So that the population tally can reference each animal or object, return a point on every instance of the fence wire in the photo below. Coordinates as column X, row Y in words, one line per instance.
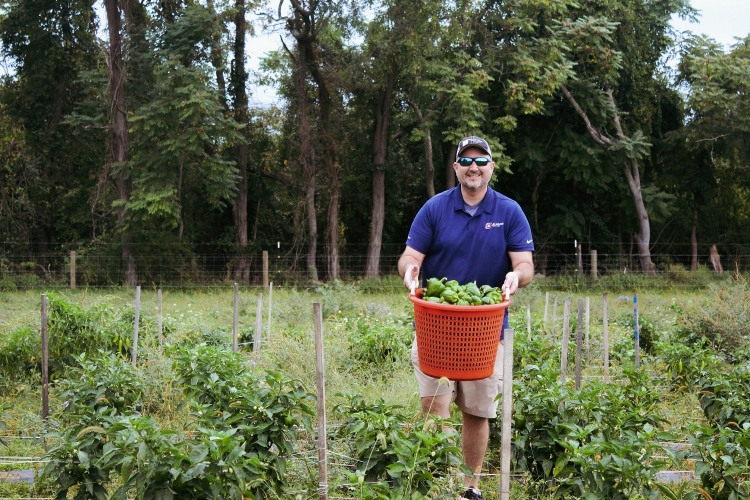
column 53, row 270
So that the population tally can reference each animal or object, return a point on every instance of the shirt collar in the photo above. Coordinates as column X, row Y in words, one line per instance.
column 486, row 205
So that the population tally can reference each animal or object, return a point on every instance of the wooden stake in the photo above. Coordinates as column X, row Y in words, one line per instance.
column 507, row 415
column 320, row 379
column 588, row 343
column 158, row 317
column 72, row 269
column 270, row 309
column 594, row 265
column 236, row 319
column 136, row 324
column 528, row 319
column 546, row 309
column 566, row 338
column 636, row 336
column 265, row 269
column 554, row 316
column 258, row 324
column 605, row 337
column 579, row 342
column 45, row 361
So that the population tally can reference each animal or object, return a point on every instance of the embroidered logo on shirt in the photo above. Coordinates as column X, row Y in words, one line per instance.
column 528, row 241
column 490, row 225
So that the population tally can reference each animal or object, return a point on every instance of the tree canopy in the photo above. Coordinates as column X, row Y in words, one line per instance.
column 143, row 142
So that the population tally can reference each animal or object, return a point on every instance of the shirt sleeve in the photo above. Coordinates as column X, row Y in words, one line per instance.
column 421, row 233
column 519, row 232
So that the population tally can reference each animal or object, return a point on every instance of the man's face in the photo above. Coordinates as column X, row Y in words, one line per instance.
column 473, row 177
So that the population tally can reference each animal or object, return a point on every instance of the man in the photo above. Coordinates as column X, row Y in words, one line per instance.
column 469, row 233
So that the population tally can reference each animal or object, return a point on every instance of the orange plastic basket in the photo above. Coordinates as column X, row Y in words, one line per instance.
column 457, row 342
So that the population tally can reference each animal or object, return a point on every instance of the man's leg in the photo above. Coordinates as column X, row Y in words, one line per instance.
column 474, row 438
column 437, row 405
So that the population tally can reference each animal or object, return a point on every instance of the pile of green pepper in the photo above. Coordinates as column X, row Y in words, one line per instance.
column 441, row 291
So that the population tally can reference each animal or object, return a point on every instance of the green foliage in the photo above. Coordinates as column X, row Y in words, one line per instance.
column 20, row 353
column 722, row 317
column 72, row 331
column 245, row 431
column 724, row 397
column 337, row 297
column 263, row 410
column 598, row 441
column 380, row 284
column 381, row 340
column 105, row 386
column 396, row 458
column 687, row 363
column 722, row 456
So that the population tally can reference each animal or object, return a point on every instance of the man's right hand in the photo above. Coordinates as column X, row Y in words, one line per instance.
column 408, row 267
column 411, row 274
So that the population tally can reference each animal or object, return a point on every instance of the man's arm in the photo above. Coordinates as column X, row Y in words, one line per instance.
column 409, row 265
column 522, row 273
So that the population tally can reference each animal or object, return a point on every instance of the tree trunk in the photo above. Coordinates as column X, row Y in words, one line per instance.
column 450, row 174
column 694, row 243
column 307, row 160
column 119, row 130
column 643, row 237
column 334, row 267
column 382, row 116
column 330, row 155
column 429, row 176
column 239, row 80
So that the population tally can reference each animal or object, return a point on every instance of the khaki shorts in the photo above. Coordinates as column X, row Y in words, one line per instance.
column 476, row 397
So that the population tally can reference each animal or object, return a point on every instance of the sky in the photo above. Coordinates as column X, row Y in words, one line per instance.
column 722, row 20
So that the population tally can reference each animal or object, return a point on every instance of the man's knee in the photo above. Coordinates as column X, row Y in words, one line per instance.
column 437, row 405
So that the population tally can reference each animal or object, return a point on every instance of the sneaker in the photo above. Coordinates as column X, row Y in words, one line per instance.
column 471, row 494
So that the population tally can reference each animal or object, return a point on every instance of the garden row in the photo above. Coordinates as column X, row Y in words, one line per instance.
column 221, row 430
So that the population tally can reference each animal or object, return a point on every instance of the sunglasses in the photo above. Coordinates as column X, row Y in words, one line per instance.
column 465, row 161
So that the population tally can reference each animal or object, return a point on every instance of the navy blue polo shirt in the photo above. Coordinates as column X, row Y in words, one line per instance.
column 468, row 248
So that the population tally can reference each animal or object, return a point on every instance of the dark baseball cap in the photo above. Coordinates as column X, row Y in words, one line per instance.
column 475, row 141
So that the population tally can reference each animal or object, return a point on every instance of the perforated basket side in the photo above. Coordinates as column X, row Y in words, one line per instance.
column 456, row 342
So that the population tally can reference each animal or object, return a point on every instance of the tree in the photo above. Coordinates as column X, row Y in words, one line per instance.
column 238, row 84
column 715, row 139
column 604, row 67
column 50, row 47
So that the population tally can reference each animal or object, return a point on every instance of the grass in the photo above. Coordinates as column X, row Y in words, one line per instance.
column 290, row 348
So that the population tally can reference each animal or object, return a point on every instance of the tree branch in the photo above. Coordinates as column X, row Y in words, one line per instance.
column 598, row 137
column 616, row 117
column 291, row 55
column 714, row 138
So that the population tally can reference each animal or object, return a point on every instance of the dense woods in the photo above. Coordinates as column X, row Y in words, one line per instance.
column 126, row 128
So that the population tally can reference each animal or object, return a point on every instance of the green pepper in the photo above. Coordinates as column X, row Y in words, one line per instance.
column 436, row 300
column 485, row 289
column 434, row 287
column 450, row 296
column 453, row 285
column 473, row 290
column 487, row 300
column 462, row 302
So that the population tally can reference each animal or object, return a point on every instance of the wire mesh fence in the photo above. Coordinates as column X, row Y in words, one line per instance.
column 186, row 270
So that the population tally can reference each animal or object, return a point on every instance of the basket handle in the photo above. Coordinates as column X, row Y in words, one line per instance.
column 413, row 288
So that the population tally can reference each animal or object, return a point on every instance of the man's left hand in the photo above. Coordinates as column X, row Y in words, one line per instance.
column 510, row 286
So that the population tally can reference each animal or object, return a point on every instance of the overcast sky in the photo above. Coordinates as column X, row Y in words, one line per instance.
column 722, row 20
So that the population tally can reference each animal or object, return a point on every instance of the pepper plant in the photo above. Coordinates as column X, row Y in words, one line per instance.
column 397, row 457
